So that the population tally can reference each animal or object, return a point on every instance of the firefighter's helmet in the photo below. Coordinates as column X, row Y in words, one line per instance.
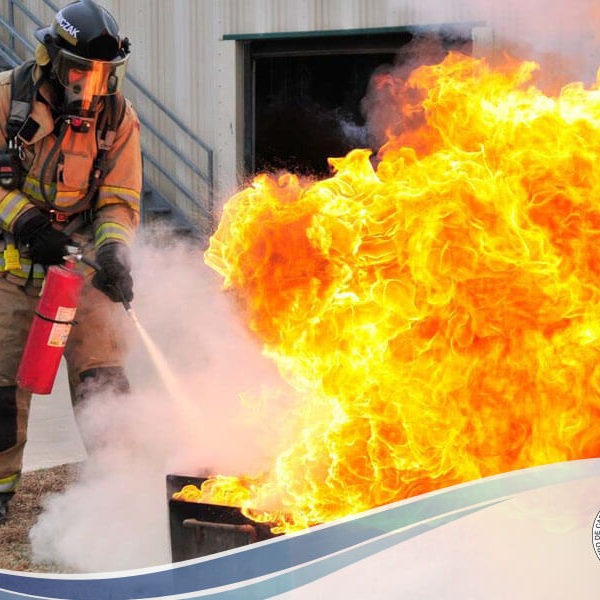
column 87, row 30
column 88, row 57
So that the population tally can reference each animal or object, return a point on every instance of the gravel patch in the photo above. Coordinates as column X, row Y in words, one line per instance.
column 25, row 507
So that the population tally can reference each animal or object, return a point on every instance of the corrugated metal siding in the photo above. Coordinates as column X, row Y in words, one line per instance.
column 269, row 16
column 173, row 43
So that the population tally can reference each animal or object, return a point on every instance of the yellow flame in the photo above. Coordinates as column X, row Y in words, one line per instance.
column 440, row 310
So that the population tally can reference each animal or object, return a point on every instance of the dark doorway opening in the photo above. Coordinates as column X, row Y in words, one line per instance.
column 303, row 95
column 308, row 108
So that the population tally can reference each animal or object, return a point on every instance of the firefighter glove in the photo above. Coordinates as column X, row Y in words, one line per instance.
column 46, row 244
column 113, row 278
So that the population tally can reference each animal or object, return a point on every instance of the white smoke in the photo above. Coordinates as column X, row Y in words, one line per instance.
column 562, row 36
column 563, row 33
column 115, row 516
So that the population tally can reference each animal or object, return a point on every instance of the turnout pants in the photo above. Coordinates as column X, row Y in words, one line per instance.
column 97, row 343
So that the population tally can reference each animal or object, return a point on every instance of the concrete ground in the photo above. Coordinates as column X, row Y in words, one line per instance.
column 53, row 435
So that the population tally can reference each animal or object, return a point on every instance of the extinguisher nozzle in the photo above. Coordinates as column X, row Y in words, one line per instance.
column 90, row 263
column 131, row 313
column 75, row 253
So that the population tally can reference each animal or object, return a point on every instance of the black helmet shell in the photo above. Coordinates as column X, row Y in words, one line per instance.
column 86, row 29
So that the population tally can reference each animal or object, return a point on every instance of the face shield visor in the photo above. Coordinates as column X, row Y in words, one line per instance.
column 85, row 80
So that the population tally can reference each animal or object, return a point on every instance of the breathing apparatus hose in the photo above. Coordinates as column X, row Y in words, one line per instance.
column 49, row 159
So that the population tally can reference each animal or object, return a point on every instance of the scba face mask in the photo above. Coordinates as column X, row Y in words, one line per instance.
column 85, row 82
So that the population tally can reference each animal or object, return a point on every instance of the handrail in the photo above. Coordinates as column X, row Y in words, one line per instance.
column 162, row 107
column 171, row 147
column 205, row 175
column 9, row 57
column 178, row 185
column 16, row 34
column 32, row 16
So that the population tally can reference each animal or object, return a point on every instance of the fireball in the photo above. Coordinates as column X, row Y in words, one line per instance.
column 436, row 304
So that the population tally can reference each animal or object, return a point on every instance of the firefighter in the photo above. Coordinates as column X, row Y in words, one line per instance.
column 70, row 174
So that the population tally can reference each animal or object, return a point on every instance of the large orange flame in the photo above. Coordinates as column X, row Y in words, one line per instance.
column 440, row 311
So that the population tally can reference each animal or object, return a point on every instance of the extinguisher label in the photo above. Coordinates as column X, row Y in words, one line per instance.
column 60, row 331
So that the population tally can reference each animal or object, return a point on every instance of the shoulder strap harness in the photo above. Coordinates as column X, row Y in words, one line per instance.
column 20, row 126
column 21, row 98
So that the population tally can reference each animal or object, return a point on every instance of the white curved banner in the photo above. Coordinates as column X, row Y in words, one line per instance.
column 525, row 535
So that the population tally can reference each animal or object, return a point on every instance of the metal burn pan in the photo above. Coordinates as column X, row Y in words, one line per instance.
column 199, row 529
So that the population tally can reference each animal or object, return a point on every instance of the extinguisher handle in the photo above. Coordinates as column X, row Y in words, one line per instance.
column 76, row 253
column 96, row 267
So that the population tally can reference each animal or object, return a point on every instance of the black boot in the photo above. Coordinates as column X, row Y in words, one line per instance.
column 99, row 380
column 4, row 498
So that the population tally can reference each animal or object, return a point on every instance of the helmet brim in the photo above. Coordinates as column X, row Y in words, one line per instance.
column 41, row 33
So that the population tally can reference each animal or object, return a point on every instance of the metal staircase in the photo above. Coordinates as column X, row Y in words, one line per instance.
column 175, row 200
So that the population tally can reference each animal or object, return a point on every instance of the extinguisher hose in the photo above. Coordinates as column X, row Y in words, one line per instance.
column 90, row 263
column 44, row 318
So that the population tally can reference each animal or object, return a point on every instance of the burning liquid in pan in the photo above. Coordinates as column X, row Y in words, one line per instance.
column 440, row 312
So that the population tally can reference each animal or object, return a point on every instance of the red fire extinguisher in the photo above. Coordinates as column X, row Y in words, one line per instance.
column 50, row 328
